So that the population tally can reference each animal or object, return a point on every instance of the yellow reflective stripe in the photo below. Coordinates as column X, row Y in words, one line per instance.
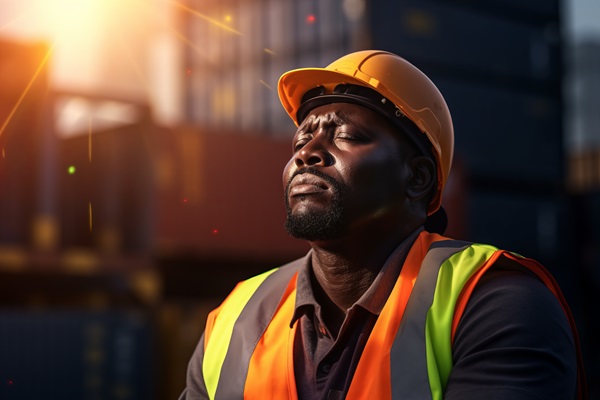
column 453, row 275
column 216, row 348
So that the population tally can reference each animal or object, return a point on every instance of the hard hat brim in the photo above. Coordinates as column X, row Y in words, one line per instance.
column 295, row 83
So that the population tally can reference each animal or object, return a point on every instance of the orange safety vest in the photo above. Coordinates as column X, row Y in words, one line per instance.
column 248, row 344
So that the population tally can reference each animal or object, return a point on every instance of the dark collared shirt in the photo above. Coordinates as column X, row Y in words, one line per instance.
column 329, row 358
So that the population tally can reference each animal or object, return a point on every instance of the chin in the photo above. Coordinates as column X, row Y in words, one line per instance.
column 315, row 226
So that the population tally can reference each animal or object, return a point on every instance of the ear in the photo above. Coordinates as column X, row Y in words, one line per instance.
column 423, row 178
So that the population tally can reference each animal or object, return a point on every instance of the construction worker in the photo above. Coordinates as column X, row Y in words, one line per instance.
column 383, row 306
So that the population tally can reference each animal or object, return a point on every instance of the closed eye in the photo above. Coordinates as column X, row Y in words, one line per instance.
column 350, row 136
column 301, row 142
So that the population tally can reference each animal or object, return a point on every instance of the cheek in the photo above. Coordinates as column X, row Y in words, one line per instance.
column 379, row 178
column 288, row 170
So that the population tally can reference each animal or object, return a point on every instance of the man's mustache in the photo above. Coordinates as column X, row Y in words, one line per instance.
column 314, row 171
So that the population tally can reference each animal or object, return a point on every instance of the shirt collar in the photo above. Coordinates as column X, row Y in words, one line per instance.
column 372, row 300
column 305, row 298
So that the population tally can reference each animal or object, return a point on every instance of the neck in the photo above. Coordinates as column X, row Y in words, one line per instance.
column 345, row 268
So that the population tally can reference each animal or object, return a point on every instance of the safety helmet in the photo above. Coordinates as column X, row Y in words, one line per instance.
column 412, row 93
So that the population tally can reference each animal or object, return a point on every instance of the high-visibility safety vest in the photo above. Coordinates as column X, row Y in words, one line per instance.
column 248, row 343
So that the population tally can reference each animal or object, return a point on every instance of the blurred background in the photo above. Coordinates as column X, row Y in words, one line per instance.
column 142, row 144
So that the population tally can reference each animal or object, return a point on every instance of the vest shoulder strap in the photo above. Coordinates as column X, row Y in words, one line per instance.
column 419, row 353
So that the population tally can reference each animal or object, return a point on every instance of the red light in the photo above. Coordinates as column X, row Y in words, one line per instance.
column 215, row 231
column 310, row 19
column 185, row 200
column 10, row 381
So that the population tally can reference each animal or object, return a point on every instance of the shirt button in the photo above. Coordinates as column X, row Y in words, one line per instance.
column 325, row 368
column 322, row 330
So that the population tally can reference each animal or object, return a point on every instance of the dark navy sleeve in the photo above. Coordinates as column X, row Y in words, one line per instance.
column 513, row 342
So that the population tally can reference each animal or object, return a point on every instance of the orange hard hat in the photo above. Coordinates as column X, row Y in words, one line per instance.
column 412, row 93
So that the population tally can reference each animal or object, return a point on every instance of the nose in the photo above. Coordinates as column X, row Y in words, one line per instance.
column 313, row 154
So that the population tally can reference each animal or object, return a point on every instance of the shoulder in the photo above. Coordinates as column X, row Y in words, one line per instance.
column 513, row 338
column 516, row 300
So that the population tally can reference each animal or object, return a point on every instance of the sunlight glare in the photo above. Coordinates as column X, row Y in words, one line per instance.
column 68, row 18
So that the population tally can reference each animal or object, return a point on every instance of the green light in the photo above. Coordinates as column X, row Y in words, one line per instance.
column 71, row 170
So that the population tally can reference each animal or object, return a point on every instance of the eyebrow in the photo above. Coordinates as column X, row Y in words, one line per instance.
column 341, row 117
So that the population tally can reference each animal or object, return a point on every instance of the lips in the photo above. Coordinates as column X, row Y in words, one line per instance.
column 307, row 184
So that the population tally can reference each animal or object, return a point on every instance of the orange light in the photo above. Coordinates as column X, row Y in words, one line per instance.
column 37, row 72
column 205, row 17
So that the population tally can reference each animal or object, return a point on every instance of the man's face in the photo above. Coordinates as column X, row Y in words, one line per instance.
column 348, row 171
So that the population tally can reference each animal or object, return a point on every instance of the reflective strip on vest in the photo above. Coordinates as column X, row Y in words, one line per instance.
column 409, row 372
column 259, row 297
column 422, row 350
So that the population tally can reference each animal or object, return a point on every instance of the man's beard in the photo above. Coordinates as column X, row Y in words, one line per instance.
column 323, row 224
